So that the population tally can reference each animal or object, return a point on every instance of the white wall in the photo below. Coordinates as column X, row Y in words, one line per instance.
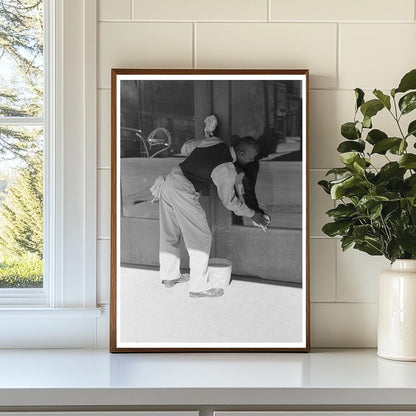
column 345, row 44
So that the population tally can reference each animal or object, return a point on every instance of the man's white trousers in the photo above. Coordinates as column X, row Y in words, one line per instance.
column 181, row 213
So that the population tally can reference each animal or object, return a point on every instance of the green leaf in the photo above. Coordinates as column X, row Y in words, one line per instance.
column 349, row 146
column 393, row 250
column 325, row 186
column 359, row 94
column 361, row 231
column 349, row 131
column 371, row 108
column 403, row 205
column 411, row 184
column 391, row 170
column 408, row 102
column 411, row 180
column 383, row 145
column 375, row 211
column 408, row 82
column 413, row 213
column 391, row 212
column 398, row 149
column 368, row 201
column 367, row 122
column 392, row 196
column 338, row 171
column 338, row 189
column 336, row 228
column 407, row 239
column 412, row 200
column 411, row 130
column 342, row 211
column 402, row 147
column 342, row 179
column 385, row 99
column 368, row 248
column 393, row 92
column 359, row 165
column 375, row 136
column 346, row 242
column 408, row 161
column 374, row 242
column 348, row 158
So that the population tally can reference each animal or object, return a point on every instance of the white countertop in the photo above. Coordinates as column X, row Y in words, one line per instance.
column 96, row 377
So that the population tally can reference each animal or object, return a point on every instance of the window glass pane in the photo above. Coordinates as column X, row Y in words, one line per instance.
column 157, row 118
column 21, row 58
column 21, row 212
column 271, row 112
column 21, row 146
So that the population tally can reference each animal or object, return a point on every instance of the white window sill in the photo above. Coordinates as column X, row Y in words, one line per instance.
column 40, row 327
column 36, row 312
column 330, row 379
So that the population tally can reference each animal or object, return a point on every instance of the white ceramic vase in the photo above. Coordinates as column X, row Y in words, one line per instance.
column 397, row 312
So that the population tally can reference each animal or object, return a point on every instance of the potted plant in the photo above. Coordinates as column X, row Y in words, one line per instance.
column 376, row 207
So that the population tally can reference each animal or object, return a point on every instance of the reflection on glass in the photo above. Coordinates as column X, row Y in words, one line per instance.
column 157, row 117
column 271, row 112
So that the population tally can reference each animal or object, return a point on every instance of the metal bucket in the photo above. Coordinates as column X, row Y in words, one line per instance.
column 219, row 272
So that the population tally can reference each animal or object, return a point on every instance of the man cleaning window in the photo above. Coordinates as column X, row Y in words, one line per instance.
column 209, row 160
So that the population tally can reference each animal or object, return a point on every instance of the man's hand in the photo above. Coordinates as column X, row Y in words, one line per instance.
column 259, row 218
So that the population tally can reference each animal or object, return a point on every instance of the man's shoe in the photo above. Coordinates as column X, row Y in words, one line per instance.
column 170, row 283
column 210, row 293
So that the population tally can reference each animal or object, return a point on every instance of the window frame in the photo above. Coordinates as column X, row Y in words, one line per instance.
column 37, row 296
column 71, row 181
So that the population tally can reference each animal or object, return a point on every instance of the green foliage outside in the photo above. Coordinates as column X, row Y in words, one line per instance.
column 21, row 148
column 21, row 214
column 21, row 271
column 376, row 210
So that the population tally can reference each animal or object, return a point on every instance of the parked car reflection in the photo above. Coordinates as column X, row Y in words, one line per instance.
column 133, row 143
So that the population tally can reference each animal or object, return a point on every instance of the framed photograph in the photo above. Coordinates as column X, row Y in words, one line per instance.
column 209, row 211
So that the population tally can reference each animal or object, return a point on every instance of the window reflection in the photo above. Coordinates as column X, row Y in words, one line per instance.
column 271, row 112
column 157, row 117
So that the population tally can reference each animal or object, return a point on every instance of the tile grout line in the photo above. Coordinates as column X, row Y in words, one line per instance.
column 338, row 66
column 269, row 10
column 194, row 63
column 308, row 22
column 322, row 237
column 336, row 271
column 131, row 9
column 310, row 89
column 355, row 302
column 310, row 169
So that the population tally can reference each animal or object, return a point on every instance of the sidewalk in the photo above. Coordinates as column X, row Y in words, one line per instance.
column 247, row 312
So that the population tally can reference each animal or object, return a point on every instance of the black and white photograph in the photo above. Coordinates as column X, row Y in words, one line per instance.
column 209, row 243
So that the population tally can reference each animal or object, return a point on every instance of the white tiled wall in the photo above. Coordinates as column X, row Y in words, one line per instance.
column 345, row 44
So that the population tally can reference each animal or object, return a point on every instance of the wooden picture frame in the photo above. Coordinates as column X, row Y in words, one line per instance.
column 266, row 305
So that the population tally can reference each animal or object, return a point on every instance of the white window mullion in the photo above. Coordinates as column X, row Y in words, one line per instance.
column 22, row 121
column 49, row 179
